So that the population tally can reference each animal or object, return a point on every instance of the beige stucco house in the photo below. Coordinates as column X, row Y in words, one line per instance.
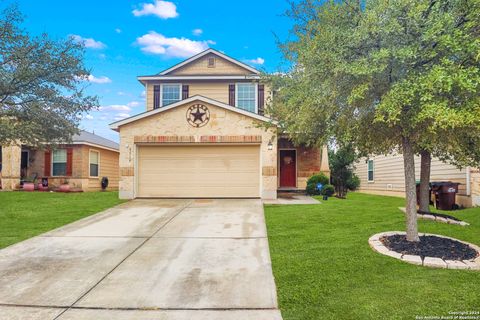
column 384, row 175
column 203, row 134
column 81, row 164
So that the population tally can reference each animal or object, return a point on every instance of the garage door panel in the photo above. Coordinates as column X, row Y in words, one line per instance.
column 198, row 171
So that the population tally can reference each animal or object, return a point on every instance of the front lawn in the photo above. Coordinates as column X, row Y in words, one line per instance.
column 27, row 214
column 325, row 269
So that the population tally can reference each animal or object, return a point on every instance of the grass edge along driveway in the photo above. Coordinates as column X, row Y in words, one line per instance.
column 26, row 214
column 325, row 269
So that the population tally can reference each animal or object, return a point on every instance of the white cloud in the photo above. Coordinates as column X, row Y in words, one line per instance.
column 161, row 9
column 197, row 32
column 99, row 80
column 121, row 93
column 115, row 107
column 103, row 118
column 256, row 61
column 89, row 42
column 157, row 43
column 118, row 30
column 102, row 56
column 133, row 104
column 88, row 117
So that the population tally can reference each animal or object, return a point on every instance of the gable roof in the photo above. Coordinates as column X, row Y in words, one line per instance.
column 85, row 137
column 117, row 124
column 203, row 53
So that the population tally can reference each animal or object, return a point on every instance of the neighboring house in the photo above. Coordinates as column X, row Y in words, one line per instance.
column 384, row 175
column 202, row 136
column 81, row 164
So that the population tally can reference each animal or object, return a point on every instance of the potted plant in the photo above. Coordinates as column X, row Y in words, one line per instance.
column 64, row 187
column 29, row 185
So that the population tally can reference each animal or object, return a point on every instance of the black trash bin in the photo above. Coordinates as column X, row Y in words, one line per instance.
column 445, row 192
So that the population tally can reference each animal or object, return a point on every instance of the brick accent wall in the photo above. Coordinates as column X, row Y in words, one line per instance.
column 201, row 139
column 308, row 160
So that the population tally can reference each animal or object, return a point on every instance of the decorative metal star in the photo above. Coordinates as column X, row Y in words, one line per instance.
column 197, row 115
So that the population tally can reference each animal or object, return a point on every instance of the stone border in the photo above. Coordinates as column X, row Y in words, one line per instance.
column 377, row 245
column 438, row 219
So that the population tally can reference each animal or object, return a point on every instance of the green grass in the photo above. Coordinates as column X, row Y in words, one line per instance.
column 24, row 214
column 325, row 269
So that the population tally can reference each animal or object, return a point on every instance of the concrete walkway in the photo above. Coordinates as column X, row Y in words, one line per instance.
column 146, row 259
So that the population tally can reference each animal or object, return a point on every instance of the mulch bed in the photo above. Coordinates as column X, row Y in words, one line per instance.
column 430, row 246
column 446, row 216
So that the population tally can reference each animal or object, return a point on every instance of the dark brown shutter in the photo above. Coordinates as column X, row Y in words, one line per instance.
column 156, row 96
column 48, row 163
column 184, row 91
column 69, row 161
column 231, row 94
column 261, row 99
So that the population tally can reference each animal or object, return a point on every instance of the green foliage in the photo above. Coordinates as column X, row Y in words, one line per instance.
column 328, row 190
column 313, row 181
column 353, row 183
column 318, row 178
column 41, row 85
column 384, row 76
column 341, row 168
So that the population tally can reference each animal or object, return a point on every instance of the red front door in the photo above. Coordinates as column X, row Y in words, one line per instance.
column 288, row 168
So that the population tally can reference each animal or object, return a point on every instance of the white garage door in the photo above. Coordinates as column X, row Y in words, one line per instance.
column 199, row 171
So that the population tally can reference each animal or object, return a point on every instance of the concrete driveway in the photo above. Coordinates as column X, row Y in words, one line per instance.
column 146, row 259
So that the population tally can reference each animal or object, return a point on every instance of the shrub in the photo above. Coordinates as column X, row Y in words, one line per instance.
column 328, row 190
column 313, row 181
column 353, row 183
column 318, row 178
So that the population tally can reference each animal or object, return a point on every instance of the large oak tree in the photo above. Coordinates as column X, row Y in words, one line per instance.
column 42, row 94
column 386, row 76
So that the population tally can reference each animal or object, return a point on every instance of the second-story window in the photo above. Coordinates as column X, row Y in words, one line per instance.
column 246, row 96
column 171, row 93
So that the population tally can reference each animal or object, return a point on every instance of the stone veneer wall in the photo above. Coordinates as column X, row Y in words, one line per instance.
column 10, row 176
column 173, row 124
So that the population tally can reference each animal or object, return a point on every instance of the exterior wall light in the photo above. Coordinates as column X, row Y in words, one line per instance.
column 270, row 145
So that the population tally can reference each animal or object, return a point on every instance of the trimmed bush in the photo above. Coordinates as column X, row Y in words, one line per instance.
column 353, row 183
column 328, row 190
column 313, row 181
column 318, row 178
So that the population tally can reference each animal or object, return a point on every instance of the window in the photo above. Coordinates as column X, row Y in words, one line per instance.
column 370, row 170
column 246, row 96
column 59, row 162
column 94, row 162
column 170, row 93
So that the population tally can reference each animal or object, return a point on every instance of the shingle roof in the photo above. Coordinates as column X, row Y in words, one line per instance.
column 88, row 137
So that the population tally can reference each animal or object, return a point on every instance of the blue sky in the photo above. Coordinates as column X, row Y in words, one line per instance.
column 125, row 39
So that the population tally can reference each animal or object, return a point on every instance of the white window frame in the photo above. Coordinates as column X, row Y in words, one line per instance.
column 66, row 162
column 373, row 170
column 256, row 95
column 90, row 162
column 170, row 84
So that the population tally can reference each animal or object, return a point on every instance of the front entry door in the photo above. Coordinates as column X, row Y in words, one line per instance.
column 288, row 168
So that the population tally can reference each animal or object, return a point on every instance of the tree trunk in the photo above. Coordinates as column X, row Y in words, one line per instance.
column 426, row 161
column 410, row 190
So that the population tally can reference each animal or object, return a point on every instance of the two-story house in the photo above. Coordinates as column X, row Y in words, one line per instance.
column 202, row 136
